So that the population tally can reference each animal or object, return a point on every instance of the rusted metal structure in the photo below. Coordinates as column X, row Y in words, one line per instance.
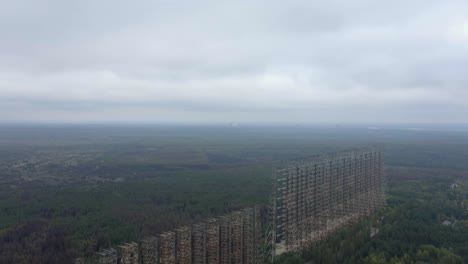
column 212, row 241
column 237, row 237
column 258, row 239
column 168, row 250
column 312, row 198
column 248, row 235
column 198, row 244
column 184, row 245
column 129, row 253
column 225, row 239
column 149, row 250
column 315, row 197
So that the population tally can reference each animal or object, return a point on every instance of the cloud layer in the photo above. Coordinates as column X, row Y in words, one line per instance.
column 237, row 61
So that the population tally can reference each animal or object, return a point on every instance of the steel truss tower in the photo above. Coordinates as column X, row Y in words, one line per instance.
column 311, row 199
column 149, row 250
column 315, row 197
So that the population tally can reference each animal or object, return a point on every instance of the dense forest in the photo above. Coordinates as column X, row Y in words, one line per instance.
column 67, row 192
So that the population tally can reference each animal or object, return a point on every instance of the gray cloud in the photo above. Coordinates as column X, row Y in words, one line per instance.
column 295, row 61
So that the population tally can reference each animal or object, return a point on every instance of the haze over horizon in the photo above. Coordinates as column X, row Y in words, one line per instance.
column 243, row 61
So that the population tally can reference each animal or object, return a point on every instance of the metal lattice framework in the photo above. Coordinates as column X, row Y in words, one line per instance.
column 312, row 198
column 225, row 239
column 315, row 197
column 149, row 250
column 199, row 246
column 129, row 253
column 237, row 237
column 168, row 251
column 212, row 241
column 184, row 245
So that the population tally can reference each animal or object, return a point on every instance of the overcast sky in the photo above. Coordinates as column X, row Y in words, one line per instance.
column 237, row 61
